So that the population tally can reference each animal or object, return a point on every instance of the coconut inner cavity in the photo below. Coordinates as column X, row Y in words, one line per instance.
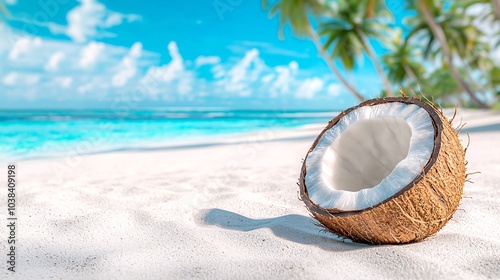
column 368, row 151
column 369, row 155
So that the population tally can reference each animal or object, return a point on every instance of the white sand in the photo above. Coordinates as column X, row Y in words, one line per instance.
column 230, row 211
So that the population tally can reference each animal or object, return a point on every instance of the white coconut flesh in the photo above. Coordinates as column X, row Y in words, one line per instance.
column 371, row 154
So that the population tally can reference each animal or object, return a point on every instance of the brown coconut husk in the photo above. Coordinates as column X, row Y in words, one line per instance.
column 421, row 208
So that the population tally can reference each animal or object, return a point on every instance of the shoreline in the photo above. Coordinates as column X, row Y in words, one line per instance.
column 260, row 135
column 474, row 120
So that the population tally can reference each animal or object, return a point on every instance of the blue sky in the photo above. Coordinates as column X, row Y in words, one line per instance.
column 97, row 54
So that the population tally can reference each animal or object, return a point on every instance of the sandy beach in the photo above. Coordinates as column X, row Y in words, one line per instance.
column 231, row 211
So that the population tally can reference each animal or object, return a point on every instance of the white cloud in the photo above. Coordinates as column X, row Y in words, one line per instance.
column 171, row 71
column 90, row 54
column 85, row 88
column 54, row 60
column 75, row 67
column 245, row 72
column 23, row 45
column 334, row 89
column 84, row 20
column 239, row 71
column 115, row 19
column 100, row 70
column 64, row 82
column 267, row 78
column 10, row 79
column 16, row 78
column 11, row 2
column 206, row 60
column 171, row 78
column 309, row 87
column 89, row 19
column 185, row 84
column 128, row 66
column 136, row 50
column 248, row 76
column 218, row 71
column 285, row 77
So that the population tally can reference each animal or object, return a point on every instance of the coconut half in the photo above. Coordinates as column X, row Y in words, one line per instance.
column 389, row 170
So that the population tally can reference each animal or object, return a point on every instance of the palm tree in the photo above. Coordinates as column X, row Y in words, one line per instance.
column 350, row 25
column 494, row 6
column 477, row 60
column 494, row 79
column 428, row 10
column 444, row 87
column 477, row 56
column 296, row 12
column 399, row 62
column 465, row 42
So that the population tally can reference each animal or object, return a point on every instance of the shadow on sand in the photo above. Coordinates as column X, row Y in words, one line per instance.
column 483, row 128
column 295, row 228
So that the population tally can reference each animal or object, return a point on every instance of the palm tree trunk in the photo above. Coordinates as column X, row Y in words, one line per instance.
column 332, row 65
column 439, row 34
column 496, row 7
column 373, row 58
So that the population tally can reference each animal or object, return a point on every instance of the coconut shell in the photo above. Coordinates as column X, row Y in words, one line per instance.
column 420, row 209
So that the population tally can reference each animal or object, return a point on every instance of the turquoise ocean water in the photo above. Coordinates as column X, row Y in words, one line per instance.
column 40, row 133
